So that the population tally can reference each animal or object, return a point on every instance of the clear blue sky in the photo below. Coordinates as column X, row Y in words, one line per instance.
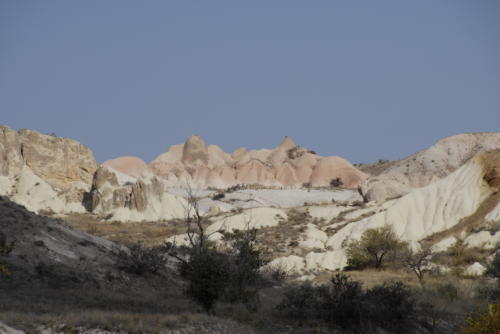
column 360, row 79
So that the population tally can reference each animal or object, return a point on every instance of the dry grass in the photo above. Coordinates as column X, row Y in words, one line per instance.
column 147, row 233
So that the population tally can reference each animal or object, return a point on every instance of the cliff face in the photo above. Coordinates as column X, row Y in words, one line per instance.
column 429, row 165
column 58, row 161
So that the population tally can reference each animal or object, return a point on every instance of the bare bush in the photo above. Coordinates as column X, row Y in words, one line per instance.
column 141, row 260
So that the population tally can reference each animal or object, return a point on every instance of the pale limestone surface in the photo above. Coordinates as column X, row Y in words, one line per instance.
column 444, row 244
column 428, row 166
column 475, row 269
column 427, row 210
column 483, row 239
column 250, row 218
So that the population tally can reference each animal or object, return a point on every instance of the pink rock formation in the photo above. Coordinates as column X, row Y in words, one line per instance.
column 132, row 166
column 288, row 165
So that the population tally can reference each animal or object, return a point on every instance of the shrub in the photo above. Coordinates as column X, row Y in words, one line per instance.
column 341, row 303
column 493, row 268
column 275, row 274
column 141, row 260
column 373, row 248
column 460, row 255
column 344, row 304
column 390, row 306
column 485, row 322
column 336, row 182
column 244, row 263
column 5, row 250
column 207, row 275
column 300, row 302
column 218, row 196
column 447, row 291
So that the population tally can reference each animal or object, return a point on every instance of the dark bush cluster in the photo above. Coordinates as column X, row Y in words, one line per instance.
column 207, row 275
column 344, row 304
column 141, row 260
column 218, row 196
column 336, row 182
column 232, row 274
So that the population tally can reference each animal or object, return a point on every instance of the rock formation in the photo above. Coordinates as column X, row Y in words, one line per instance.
column 427, row 166
column 142, row 199
column 132, row 166
column 58, row 161
column 288, row 165
column 44, row 172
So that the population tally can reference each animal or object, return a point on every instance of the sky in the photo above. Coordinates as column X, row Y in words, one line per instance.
column 365, row 80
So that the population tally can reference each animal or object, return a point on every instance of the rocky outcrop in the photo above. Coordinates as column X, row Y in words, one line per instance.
column 428, row 166
column 132, row 166
column 44, row 173
column 288, row 165
column 58, row 161
column 142, row 199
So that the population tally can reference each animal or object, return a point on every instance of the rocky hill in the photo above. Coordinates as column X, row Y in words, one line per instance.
column 427, row 166
column 204, row 166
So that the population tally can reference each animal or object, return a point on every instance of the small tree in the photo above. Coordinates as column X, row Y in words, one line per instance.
column 418, row 261
column 373, row 247
column 213, row 273
column 245, row 261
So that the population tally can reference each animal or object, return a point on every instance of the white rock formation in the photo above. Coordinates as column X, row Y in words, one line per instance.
column 330, row 260
column 145, row 199
column 483, row 239
column 430, row 165
column 250, row 218
column 444, row 244
column 292, row 264
column 493, row 216
column 427, row 210
column 475, row 269
column 313, row 238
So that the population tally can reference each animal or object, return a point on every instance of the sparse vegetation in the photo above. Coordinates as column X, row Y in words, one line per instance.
column 5, row 249
column 485, row 322
column 231, row 273
column 141, row 260
column 336, row 182
column 218, row 196
column 493, row 268
column 344, row 304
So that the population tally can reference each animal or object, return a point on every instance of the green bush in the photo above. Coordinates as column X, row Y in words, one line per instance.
column 375, row 246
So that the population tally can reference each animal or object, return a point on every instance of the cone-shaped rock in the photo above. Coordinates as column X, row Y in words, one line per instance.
column 195, row 151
